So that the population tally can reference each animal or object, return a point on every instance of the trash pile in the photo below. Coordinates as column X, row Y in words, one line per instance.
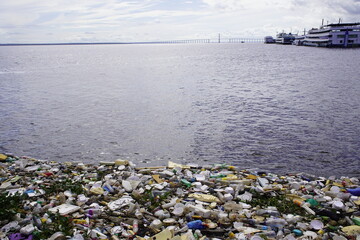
column 116, row 200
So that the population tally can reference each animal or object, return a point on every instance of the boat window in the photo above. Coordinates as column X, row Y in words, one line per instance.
column 340, row 36
column 353, row 36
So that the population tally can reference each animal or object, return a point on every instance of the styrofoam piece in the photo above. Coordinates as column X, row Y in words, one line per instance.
column 64, row 209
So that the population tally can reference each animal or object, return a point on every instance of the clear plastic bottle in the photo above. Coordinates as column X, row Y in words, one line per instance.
column 304, row 205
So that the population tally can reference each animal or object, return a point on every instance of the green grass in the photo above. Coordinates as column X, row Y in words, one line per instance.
column 150, row 200
column 62, row 186
column 283, row 204
column 12, row 204
column 59, row 224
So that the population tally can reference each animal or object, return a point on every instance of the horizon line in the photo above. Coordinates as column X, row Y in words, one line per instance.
column 229, row 40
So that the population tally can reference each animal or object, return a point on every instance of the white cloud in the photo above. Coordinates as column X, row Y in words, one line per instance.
column 224, row 4
column 112, row 20
column 244, row 5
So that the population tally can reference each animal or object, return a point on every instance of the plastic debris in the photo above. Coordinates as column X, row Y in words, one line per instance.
column 355, row 191
column 351, row 230
column 304, row 205
column 116, row 200
column 3, row 157
column 117, row 204
column 316, row 224
column 204, row 197
column 176, row 165
column 64, row 209
column 163, row 235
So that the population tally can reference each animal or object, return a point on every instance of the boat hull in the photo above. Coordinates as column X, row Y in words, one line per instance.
column 341, row 35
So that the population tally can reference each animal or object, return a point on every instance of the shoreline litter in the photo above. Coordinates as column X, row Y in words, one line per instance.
column 116, row 200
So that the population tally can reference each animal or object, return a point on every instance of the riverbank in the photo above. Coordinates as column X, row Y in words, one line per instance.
column 117, row 200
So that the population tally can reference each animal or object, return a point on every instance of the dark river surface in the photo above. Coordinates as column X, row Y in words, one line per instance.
column 277, row 108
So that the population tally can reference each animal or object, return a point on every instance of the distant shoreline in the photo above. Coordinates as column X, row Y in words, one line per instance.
column 42, row 44
column 186, row 41
column 106, row 43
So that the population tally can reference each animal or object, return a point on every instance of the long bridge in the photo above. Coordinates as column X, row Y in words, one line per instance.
column 223, row 40
column 186, row 41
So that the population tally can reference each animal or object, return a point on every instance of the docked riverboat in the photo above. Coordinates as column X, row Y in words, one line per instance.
column 334, row 35
column 299, row 40
column 269, row 39
column 285, row 38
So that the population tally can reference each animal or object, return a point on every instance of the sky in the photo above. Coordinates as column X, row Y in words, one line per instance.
column 55, row 21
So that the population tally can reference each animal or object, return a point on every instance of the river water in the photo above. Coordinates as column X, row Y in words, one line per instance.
column 277, row 108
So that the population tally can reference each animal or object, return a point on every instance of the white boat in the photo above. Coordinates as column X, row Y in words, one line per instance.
column 269, row 39
column 299, row 40
column 285, row 38
column 334, row 35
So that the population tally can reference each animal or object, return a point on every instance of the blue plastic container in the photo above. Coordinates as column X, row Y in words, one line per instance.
column 197, row 224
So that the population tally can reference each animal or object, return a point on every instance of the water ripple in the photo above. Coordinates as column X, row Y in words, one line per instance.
column 277, row 108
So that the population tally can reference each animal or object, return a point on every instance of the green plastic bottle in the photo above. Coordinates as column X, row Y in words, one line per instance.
column 312, row 202
column 218, row 176
column 356, row 220
column 186, row 182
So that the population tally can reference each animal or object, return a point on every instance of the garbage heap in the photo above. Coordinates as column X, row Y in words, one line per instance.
column 115, row 200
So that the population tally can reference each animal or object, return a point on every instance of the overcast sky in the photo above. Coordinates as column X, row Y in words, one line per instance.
column 49, row 21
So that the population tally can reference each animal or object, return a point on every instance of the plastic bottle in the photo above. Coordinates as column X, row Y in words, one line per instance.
column 304, row 205
column 251, row 222
column 199, row 210
column 108, row 187
column 185, row 182
column 138, row 214
column 297, row 232
column 218, row 176
column 276, row 222
column 156, row 224
column 220, row 196
column 161, row 214
column 312, row 202
column 262, row 227
column 327, row 213
column 354, row 191
column 269, row 212
column 197, row 224
column 170, row 204
column 93, row 213
column 135, row 226
column 356, row 220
